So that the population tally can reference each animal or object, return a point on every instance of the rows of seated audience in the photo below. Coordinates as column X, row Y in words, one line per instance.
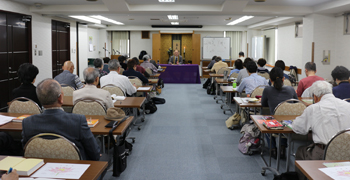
column 325, row 118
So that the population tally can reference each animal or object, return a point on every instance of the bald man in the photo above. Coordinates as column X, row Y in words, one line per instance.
column 68, row 78
column 54, row 120
column 90, row 91
column 176, row 58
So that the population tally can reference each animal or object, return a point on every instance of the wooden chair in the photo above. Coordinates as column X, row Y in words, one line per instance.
column 290, row 107
column 112, row 89
column 89, row 107
column 149, row 71
column 257, row 91
column 136, row 80
column 24, row 105
column 287, row 82
column 338, row 147
column 58, row 148
column 265, row 75
column 222, row 70
column 234, row 75
column 67, row 90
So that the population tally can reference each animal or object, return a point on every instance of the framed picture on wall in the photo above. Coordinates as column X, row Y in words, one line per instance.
column 177, row 45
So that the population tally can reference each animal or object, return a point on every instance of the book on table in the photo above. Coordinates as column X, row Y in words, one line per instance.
column 20, row 118
column 24, row 166
column 288, row 123
column 273, row 125
column 92, row 122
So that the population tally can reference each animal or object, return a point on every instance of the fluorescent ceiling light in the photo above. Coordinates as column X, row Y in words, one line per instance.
column 173, row 17
column 244, row 18
column 106, row 19
column 85, row 18
column 166, row 0
column 174, row 23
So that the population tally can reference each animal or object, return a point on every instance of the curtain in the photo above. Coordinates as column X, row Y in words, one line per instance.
column 120, row 41
column 236, row 42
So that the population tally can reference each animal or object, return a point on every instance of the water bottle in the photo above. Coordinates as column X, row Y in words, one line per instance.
column 234, row 84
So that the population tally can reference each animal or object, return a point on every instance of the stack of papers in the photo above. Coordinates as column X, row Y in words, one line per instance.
column 61, row 171
column 339, row 172
column 144, row 88
column 5, row 119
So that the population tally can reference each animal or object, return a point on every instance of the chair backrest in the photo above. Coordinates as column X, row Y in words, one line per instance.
column 135, row 80
column 223, row 69
column 265, row 75
column 149, row 71
column 306, row 93
column 257, row 91
column 58, row 148
column 290, row 107
column 67, row 90
column 234, row 75
column 121, row 71
column 338, row 147
column 24, row 105
column 113, row 90
column 286, row 82
column 89, row 107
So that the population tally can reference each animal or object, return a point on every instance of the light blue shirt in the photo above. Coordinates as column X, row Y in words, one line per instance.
column 251, row 82
column 234, row 71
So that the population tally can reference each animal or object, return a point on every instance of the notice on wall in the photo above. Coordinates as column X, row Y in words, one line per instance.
column 326, row 57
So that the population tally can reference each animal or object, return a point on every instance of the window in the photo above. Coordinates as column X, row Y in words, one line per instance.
column 298, row 30
column 120, row 41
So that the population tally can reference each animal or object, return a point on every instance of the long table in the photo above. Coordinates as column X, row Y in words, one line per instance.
column 184, row 73
column 311, row 168
column 93, row 172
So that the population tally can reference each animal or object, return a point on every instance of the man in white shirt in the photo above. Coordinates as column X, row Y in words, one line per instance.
column 114, row 78
column 90, row 91
column 325, row 118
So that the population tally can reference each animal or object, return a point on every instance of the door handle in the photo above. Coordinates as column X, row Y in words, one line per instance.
column 12, row 72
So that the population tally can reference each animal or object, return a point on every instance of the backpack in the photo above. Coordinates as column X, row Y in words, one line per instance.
column 160, row 83
column 150, row 107
column 293, row 76
column 211, row 88
column 233, row 121
column 157, row 100
column 250, row 140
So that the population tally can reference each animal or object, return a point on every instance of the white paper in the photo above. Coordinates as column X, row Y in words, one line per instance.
column 337, row 173
column 144, row 88
column 119, row 98
column 61, row 171
column 5, row 119
column 25, row 178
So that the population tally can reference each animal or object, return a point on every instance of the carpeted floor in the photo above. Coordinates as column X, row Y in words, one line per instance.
column 187, row 139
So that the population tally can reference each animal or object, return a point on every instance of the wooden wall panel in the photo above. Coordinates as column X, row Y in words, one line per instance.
column 187, row 42
column 166, row 42
column 196, row 48
column 156, row 47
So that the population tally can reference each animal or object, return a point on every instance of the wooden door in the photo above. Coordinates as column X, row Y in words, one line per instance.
column 156, row 47
column 196, row 48
column 60, row 45
column 15, row 49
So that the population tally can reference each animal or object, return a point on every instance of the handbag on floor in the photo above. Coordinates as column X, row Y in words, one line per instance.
column 233, row 121
column 250, row 140
column 150, row 107
column 157, row 100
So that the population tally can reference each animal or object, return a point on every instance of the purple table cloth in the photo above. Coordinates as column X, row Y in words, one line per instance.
column 186, row 73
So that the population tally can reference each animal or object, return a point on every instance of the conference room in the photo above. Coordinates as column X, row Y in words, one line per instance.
column 186, row 138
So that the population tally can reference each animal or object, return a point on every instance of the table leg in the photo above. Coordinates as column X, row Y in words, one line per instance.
column 216, row 91
column 288, row 150
column 278, row 152
column 135, row 119
column 103, row 145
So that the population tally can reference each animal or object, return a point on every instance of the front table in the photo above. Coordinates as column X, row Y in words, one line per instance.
column 184, row 73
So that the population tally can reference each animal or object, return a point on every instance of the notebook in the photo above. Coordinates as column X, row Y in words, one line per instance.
column 273, row 124
column 5, row 119
column 20, row 118
column 24, row 167
column 288, row 123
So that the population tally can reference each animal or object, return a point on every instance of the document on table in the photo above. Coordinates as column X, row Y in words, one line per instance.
column 5, row 119
column 144, row 88
column 61, row 171
column 338, row 173
column 336, row 164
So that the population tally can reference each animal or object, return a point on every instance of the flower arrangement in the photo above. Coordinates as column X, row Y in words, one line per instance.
column 170, row 51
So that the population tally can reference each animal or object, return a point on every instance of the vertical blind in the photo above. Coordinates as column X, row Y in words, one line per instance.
column 120, row 41
column 236, row 42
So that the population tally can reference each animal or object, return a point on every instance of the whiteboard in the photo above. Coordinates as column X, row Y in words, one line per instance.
column 216, row 46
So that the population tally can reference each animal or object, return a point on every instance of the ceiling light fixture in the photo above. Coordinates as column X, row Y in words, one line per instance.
column 173, row 17
column 175, row 23
column 107, row 19
column 244, row 18
column 166, row 1
column 88, row 19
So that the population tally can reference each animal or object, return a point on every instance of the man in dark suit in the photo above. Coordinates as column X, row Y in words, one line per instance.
column 54, row 120
column 132, row 71
column 176, row 58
